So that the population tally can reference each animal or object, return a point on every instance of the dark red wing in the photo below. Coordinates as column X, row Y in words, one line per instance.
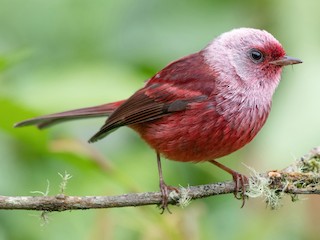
column 143, row 108
column 138, row 108
column 169, row 91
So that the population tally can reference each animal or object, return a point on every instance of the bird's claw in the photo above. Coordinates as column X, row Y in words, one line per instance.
column 240, row 181
column 165, row 191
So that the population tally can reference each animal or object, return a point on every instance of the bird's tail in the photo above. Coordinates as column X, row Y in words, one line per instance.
column 89, row 112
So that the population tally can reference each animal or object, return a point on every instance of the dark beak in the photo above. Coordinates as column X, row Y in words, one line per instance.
column 286, row 60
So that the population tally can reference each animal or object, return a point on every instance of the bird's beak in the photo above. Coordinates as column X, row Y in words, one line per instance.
column 286, row 60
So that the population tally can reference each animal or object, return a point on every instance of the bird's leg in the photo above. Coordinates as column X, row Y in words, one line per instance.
column 239, row 180
column 164, row 188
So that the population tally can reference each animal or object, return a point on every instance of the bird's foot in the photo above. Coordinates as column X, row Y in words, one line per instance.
column 165, row 191
column 240, row 181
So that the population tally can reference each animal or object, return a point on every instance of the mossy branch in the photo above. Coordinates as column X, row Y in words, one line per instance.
column 302, row 177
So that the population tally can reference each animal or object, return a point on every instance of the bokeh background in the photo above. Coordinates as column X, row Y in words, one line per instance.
column 61, row 54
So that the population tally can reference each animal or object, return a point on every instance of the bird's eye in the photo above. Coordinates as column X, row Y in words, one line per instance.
column 256, row 56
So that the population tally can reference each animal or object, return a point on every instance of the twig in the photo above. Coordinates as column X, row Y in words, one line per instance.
column 302, row 177
column 62, row 202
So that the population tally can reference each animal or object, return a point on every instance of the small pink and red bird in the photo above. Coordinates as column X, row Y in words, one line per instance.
column 201, row 107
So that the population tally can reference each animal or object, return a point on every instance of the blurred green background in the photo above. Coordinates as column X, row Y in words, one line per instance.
column 61, row 54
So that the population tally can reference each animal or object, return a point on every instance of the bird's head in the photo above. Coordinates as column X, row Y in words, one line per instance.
column 254, row 58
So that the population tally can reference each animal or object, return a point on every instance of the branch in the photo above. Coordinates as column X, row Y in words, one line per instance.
column 302, row 177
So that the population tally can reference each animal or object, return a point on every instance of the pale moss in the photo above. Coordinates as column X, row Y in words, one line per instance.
column 44, row 217
column 46, row 193
column 259, row 186
column 182, row 197
column 63, row 184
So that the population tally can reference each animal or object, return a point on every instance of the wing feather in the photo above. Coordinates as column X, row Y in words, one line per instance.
column 89, row 112
column 182, row 82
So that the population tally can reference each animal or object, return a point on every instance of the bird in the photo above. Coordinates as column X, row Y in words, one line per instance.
column 200, row 107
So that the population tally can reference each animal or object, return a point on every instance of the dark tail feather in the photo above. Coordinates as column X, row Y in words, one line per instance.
column 89, row 112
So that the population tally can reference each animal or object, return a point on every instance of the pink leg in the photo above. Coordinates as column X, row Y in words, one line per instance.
column 239, row 180
column 164, row 188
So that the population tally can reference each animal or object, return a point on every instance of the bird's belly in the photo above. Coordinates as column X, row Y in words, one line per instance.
column 190, row 136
